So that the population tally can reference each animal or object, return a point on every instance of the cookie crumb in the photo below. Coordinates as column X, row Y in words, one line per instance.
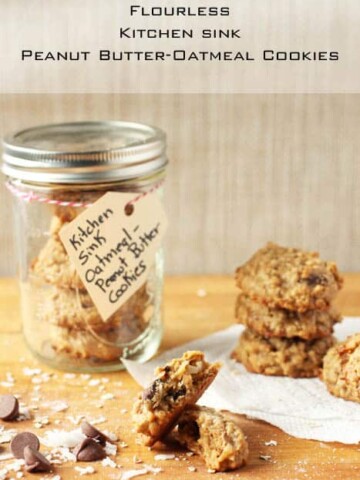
column 192, row 469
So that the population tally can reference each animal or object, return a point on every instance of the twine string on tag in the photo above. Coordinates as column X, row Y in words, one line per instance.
column 34, row 197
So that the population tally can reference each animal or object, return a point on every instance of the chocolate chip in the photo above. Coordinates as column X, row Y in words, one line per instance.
column 175, row 394
column 92, row 432
column 35, row 461
column 313, row 280
column 9, row 407
column 190, row 428
column 22, row 440
column 149, row 392
column 89, row 451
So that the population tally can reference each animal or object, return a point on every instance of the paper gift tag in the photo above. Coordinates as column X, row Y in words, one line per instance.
column 112, row 250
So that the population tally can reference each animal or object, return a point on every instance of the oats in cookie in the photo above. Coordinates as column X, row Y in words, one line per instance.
column 341, row 372
column 179, row 383
column 279, row 322
column 217, row 439
column 291, row 357
column 289, row 278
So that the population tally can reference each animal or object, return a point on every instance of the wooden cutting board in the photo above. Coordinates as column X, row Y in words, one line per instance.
column 188, row 315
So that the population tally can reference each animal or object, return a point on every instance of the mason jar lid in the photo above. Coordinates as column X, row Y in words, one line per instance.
column 84, row 152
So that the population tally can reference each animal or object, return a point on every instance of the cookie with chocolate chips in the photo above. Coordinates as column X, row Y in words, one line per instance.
column 213, row 436
column 289, row 278
column 290, row 357
column 279, row 322
column 178, row 384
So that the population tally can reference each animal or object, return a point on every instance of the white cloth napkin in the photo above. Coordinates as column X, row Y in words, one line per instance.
column 302, row 408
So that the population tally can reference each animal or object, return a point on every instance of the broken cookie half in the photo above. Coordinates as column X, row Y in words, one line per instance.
column 208, row 433
column 177, row 385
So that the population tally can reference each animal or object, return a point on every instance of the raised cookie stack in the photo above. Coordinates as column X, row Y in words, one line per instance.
column 67, row 314
column 285, row 301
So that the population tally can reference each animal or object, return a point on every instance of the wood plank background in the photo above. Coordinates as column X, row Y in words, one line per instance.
column 244, row 169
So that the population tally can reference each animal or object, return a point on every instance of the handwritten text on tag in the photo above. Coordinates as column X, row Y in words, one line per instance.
column 113, row 251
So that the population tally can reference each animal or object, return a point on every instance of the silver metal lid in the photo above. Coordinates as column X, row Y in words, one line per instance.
column 84, row 152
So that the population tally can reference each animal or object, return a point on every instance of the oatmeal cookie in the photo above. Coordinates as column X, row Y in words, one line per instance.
column 341, row 372
column 81, row 344
column 279, row 322
column 74, row 309
column 178, row 384
column 281, row 356
column 289, row 278
column 218, row 440
column 53, row 266
column 68, row 213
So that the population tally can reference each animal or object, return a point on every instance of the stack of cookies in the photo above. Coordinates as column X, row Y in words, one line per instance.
column 285, row 301
column 71, row 319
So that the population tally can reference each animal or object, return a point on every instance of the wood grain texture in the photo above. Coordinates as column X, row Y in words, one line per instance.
column 187, row 316
column 244, row 169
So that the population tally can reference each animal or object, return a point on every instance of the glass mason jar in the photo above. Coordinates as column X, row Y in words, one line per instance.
column 54, row 173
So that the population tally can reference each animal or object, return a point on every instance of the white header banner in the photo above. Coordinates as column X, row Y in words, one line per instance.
column 184, row 46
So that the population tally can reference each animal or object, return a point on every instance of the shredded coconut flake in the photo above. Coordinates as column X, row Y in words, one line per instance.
column 110, row 448
column 85, row 470
column 6, row 456
column 201, row 292
column 266, row 458
column 30, row 372
column 94, row 382
column 107, row 396
column 111, row 435
column 164, row 456
column 6, row 384
column 271, row 443
column 7, row 435
column 140, row 471
column 24, row 414
column 107, row 462
column 58, row 406
column 75, row 419
column 60, row 455
column 96, row 421
column 62, row 438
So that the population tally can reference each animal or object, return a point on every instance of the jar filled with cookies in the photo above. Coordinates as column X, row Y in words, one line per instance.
column 56, row 173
